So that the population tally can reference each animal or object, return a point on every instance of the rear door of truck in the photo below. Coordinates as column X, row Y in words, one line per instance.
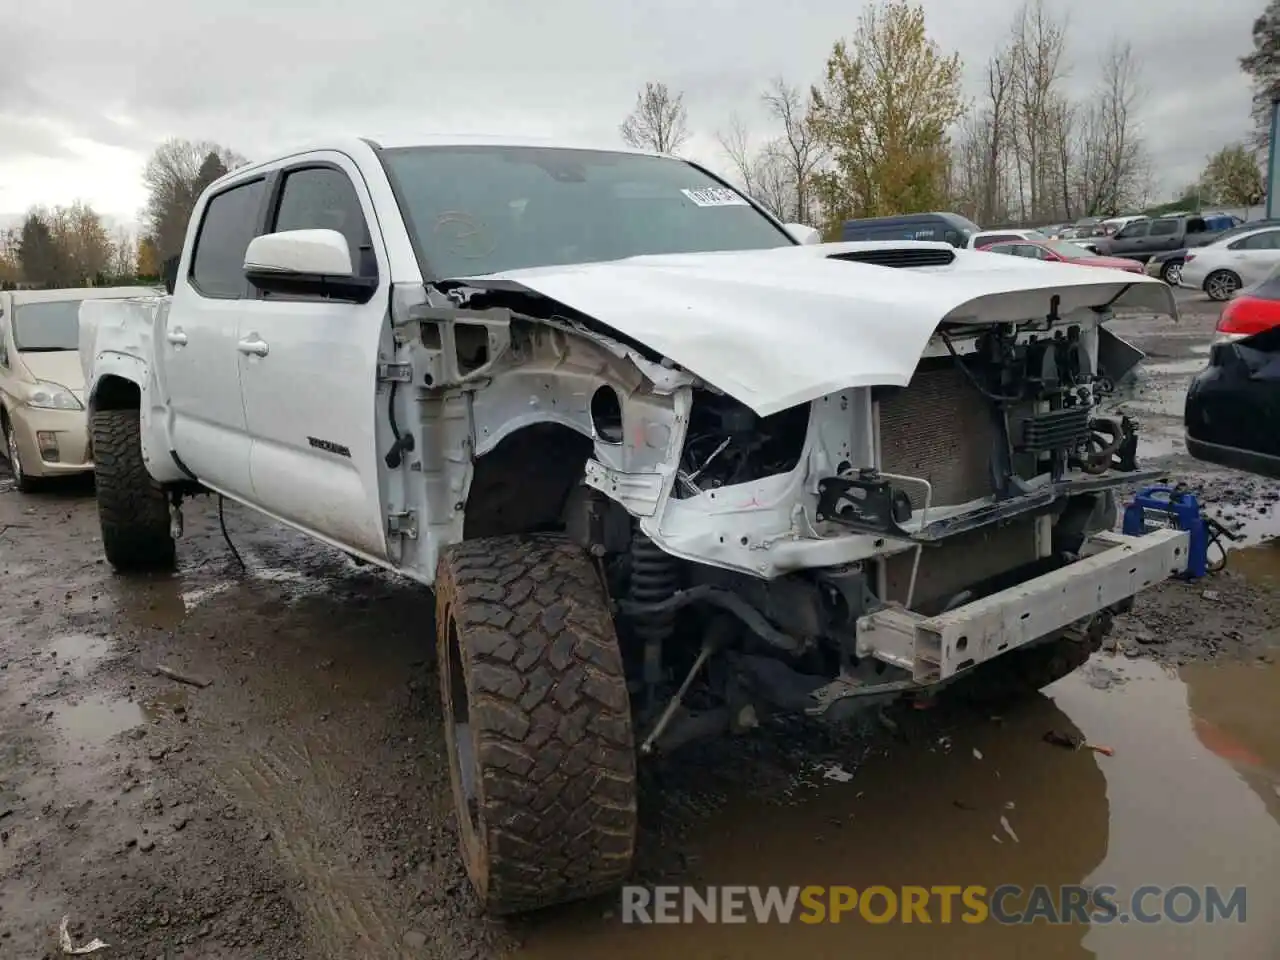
column 197, row 354
column 309, row 368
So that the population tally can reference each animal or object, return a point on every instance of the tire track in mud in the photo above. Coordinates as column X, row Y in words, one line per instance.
column 299, row 797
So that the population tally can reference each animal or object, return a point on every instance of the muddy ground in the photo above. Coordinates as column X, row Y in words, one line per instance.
column 297, row 805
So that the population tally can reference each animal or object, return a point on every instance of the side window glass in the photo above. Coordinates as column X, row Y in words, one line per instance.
column 1164, row 228
column 229, row 223
column 321, row 198
column 1134, row 230
column 1258, row 241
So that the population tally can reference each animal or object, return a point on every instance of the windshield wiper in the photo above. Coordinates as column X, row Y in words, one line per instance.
column 45, row 349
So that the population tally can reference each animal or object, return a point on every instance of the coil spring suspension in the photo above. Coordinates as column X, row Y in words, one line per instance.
column 653, row 579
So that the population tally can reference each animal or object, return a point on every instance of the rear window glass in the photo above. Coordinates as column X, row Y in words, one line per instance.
column 230, row 221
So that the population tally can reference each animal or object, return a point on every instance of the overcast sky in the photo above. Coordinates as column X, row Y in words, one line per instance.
column 87, row 89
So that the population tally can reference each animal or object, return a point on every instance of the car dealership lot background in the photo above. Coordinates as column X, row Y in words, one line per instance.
column 298, row 806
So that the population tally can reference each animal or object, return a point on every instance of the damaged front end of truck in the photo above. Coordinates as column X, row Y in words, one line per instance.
column 808, row 479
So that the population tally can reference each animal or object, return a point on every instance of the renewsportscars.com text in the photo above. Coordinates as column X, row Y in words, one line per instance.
column 1006, row 904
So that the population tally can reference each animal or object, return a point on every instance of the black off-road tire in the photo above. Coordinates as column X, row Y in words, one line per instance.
column 133, row 509
column 532, row 683
column 1021, row 673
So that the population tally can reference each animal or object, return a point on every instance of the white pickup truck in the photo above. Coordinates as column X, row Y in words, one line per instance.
column 668, row 465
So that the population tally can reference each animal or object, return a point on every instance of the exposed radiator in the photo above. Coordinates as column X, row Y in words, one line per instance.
column 961, row 561
column 940, row 428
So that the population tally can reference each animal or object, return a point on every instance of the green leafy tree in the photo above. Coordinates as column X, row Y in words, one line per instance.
column 1263, row 67
column 42, row 262
column 883, row 112
column 1232, row 176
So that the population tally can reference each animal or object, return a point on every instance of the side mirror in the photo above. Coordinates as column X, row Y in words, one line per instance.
column 169, row 273
column 306, row 263
column 802, row 233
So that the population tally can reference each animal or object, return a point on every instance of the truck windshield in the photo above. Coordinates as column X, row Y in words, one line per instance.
column 50, row 325
column 473, row 210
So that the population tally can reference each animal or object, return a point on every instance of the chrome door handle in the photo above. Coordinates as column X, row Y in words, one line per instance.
column 177, row 337
column 253, row 346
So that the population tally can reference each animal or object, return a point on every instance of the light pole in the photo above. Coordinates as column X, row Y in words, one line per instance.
column 1273, row 173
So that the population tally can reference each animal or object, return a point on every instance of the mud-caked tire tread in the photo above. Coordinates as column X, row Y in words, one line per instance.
column 133, row 510
column 554, row 815
column 1022, row 673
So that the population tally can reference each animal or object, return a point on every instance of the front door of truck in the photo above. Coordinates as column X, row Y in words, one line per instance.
column 199, row 364
column 308, row 369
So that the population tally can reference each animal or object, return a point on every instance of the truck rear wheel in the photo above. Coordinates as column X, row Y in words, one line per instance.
column 132, row 508
column 537, row 722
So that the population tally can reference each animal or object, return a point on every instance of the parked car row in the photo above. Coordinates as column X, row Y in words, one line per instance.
column 42, row 414
column 1061, row 251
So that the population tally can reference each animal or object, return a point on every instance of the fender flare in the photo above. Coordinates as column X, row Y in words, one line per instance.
column 109, row 366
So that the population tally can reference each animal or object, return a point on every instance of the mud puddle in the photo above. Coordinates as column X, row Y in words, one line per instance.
column 1259, row 564
column 1190, row 797
column 92, row 721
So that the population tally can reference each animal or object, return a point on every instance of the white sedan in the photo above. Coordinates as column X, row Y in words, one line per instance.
column 1224, row 266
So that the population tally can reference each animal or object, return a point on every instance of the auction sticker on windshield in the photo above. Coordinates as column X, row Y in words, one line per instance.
column 715, row 197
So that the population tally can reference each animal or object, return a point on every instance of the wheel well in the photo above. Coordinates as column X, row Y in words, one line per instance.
column 117, row 393
column 521, row 485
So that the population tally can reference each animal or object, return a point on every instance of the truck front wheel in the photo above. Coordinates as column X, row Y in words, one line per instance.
column 1021, row 673
column 537, row 722
column 132, row 508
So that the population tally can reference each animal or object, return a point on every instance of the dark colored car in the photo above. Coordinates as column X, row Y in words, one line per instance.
column 1142, row 239
column 1168, row 265
column 948, row 227
column 1232, row 413
column 1061, row 251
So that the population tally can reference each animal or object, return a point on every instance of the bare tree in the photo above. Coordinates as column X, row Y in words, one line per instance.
column 124, row 252
column 762, row 172
column 175, row 176
column 981, row 162
column 1039, row 67
column 735, row 141
column 775, row 187
column 658, row 121
column 1122, row 92
column 798, row 150
column 999, row 108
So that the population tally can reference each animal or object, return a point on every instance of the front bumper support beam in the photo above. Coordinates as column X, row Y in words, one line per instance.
column 1115, row 567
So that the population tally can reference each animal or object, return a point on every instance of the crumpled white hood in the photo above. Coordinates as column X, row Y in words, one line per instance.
column 776, row 328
